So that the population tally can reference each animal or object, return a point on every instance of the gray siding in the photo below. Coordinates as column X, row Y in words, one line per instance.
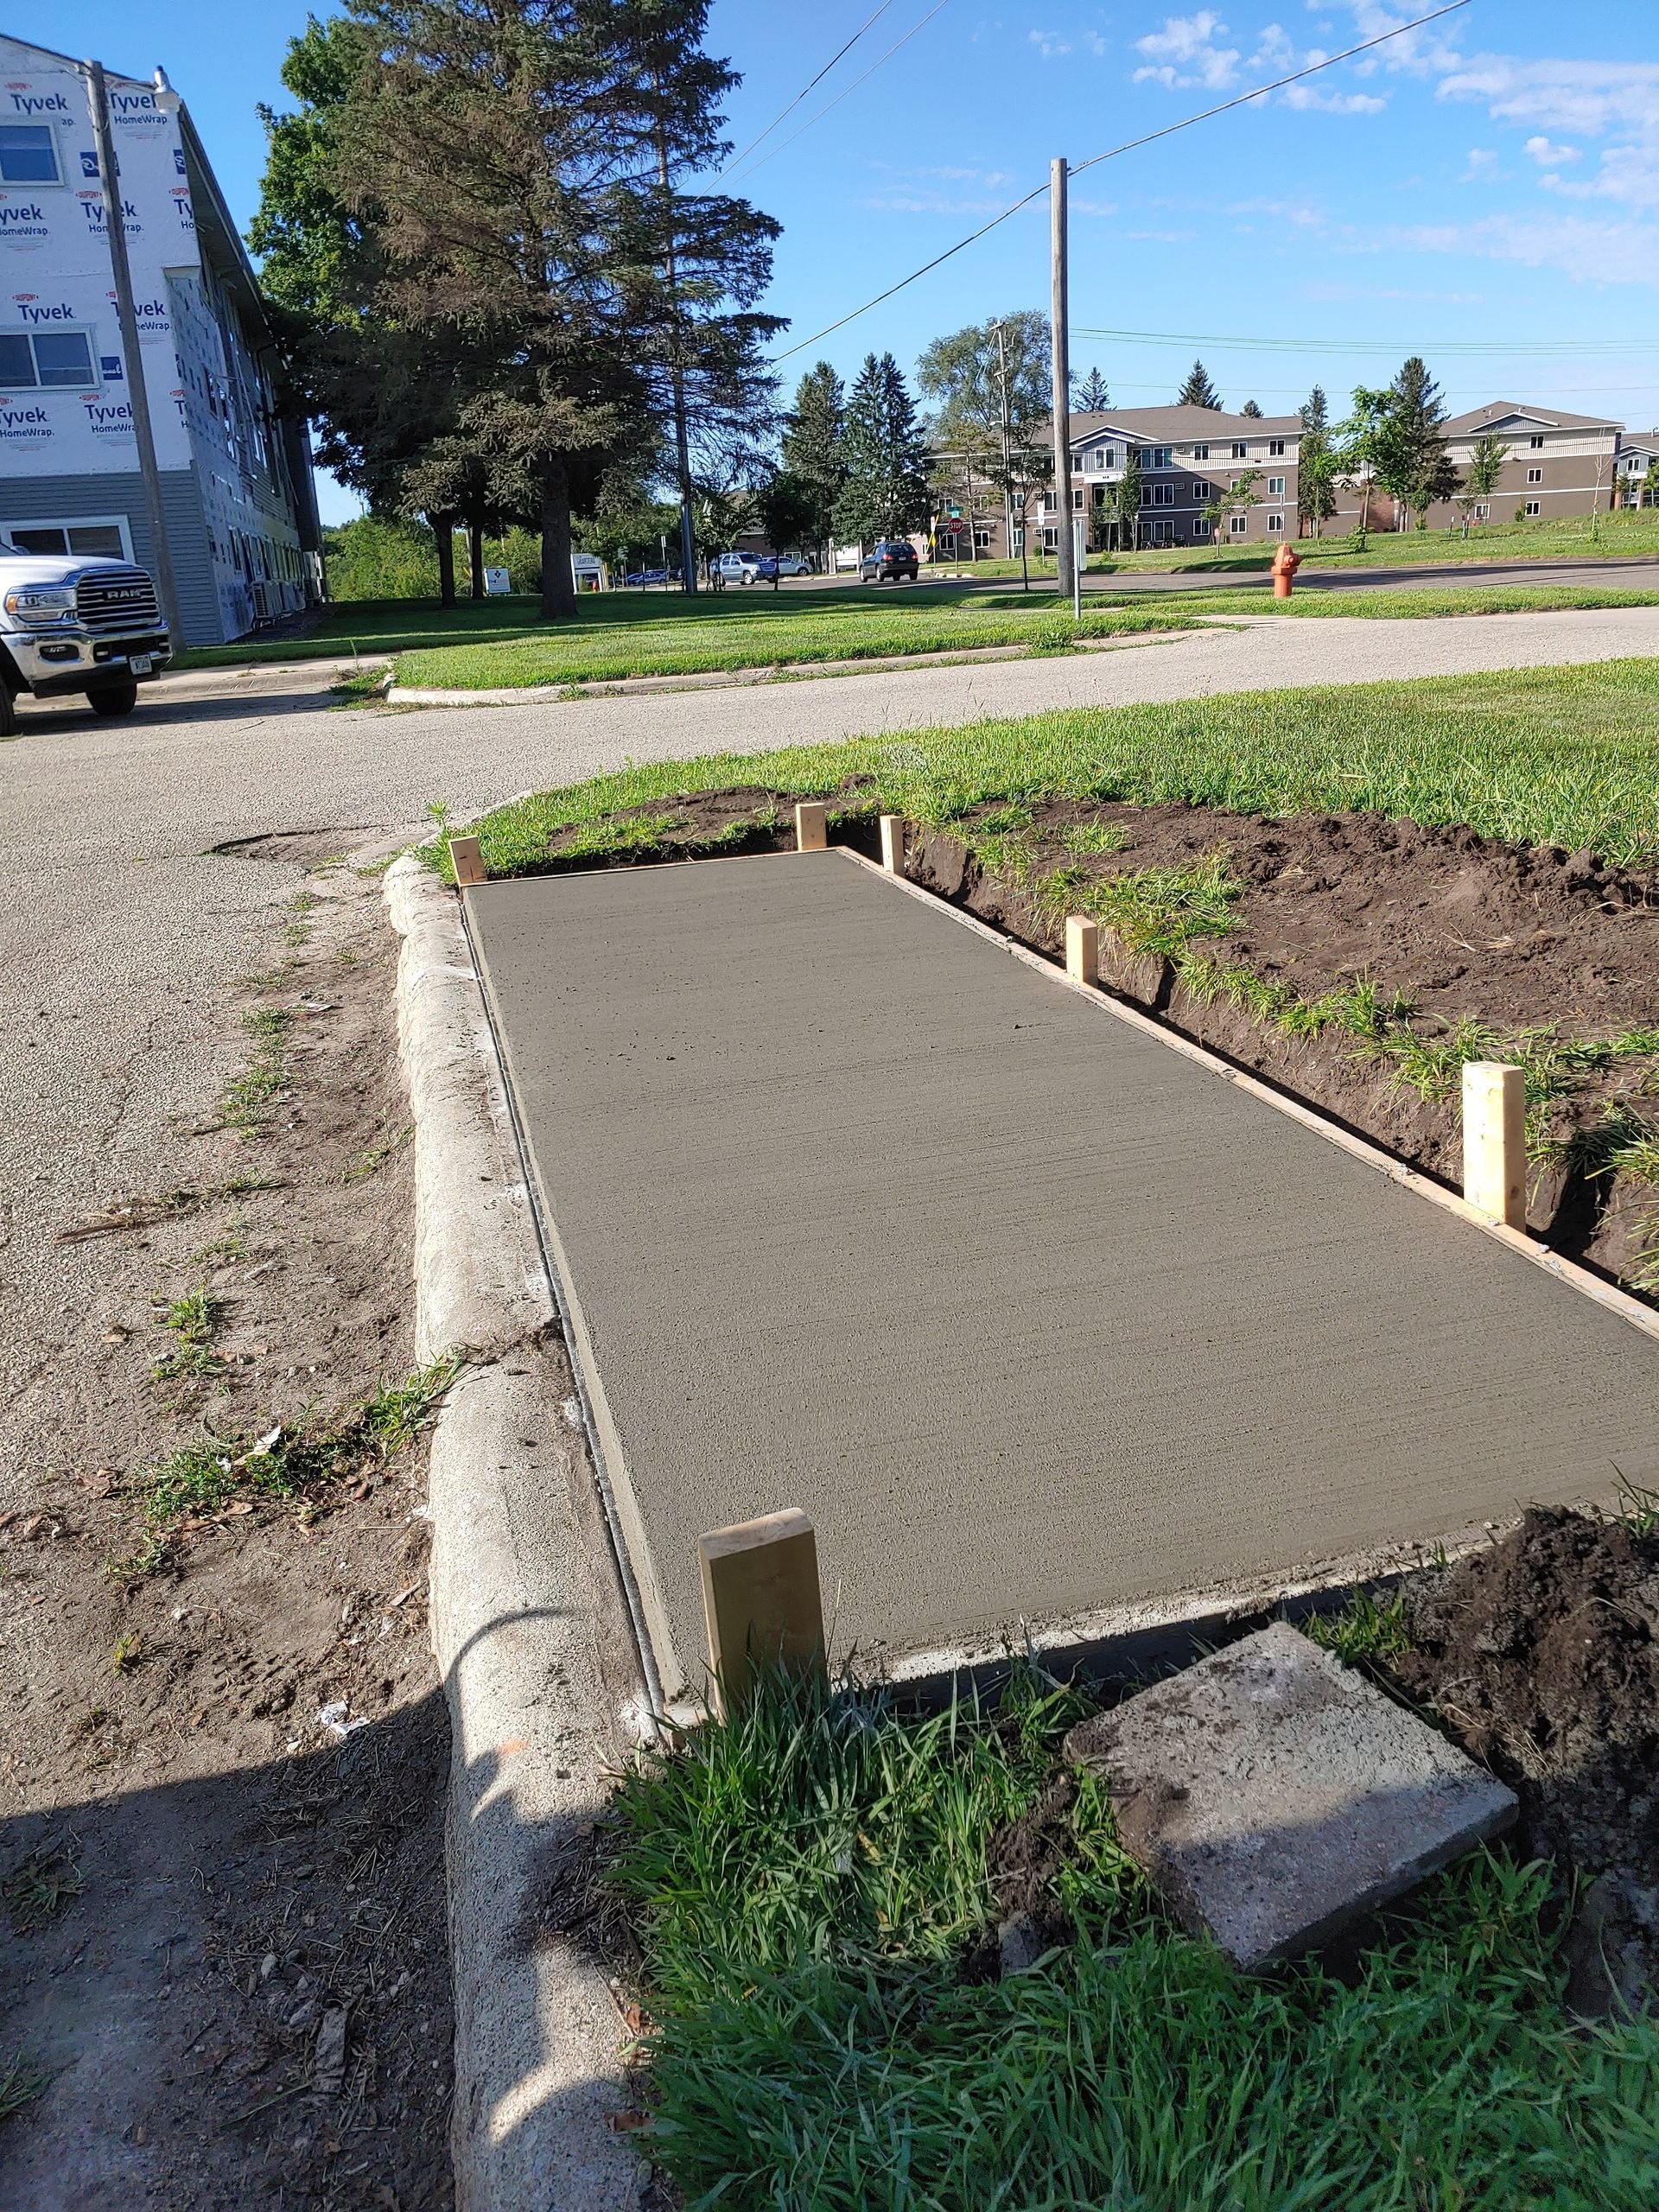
column 47, row 499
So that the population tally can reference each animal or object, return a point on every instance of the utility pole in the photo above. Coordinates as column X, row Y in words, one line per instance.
column 126, row 317
column 1063, row 554
column 676, row 372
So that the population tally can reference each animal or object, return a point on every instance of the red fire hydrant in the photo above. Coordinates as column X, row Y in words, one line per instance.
column 1286, row 561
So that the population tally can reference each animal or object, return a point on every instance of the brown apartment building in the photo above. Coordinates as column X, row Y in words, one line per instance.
column 1557, row 464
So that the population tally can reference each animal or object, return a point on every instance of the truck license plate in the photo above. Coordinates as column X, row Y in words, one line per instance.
column 139, row 663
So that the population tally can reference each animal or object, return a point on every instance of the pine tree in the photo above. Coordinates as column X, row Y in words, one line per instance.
column 1198, row 390
column 812, row 448
column 1431, row 473
column 886, row 489
column 521, row 170
column 1250, row 408
column 1092, row 396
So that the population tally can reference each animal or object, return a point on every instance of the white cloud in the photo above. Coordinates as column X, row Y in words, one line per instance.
column 1586, row 98
column 1549, row 156
column 1479, row 164
column 1597, row 252
column 1312, row 98
column 1186, row 51
column 1294, row 211
column 1049, row 44
column 1419, row 52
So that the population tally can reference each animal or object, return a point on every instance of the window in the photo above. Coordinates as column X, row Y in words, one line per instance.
column 28, row 154
column 1237, row 525
column 1535, row 507
column 1100, row 495
column 983, row 541
column 1159, row 456
column 1048, row 503
column 1276, row 448
column 1200, row 453
column 1201, row 533
column 1536, row 444
column 1051, row 540
column 1100, row 456
column 1483, row 510
column 1275, row 487
column 1200, row 489
column 1275, row 523
column 1535, row 476
column 30, row 358
column 1077, row 495
column 88, row 536
column 1241, row 450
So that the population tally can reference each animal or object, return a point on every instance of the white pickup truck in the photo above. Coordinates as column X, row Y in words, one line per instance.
column 93, row 625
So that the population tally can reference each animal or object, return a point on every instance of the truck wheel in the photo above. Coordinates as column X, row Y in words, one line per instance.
column 117, row 699
column 8, row 712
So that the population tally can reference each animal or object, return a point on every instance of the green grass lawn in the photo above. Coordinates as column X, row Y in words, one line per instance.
column 792, row 636
column 1563, row 756
column 805, row 1881
column 1386, row 601
column 1620, row 536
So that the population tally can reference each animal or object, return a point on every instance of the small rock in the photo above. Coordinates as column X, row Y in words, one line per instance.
column 328, row 2060
column 1020, row 1941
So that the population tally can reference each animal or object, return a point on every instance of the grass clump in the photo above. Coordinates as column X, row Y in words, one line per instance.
column 250, row 1101
column 1155, row 910
column 191, row 1321
column 41, row 1888
column 1366, row 1628
column 201, row 1477
column 805, row 1878
column 21, row 2083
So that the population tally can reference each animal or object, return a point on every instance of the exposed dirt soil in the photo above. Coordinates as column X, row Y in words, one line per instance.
column 223, row 1946
column 1517, row 938
column 1542, row 1654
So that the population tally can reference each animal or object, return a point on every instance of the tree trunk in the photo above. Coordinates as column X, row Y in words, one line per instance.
column 558, row 585
column 444, row 529
column 476, row 547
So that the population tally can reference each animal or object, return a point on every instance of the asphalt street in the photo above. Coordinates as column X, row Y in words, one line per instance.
column 122, row 928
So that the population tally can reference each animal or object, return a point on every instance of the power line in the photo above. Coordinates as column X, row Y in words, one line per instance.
column 1526, row 347
column 841, row 96
column 805, row 89
column 1312, row 69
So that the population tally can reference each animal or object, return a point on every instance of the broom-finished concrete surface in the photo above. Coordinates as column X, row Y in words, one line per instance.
column 1032, row 1313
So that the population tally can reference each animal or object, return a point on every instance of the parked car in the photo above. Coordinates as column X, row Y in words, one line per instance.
column 740, row 567
column 83, row 624
column 795, row 564
column 887, row 562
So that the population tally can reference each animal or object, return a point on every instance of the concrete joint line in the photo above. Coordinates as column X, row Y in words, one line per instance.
column 538, row 2033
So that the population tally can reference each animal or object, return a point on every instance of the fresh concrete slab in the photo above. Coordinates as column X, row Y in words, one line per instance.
column 1031, row 1314
column 1274, row 1795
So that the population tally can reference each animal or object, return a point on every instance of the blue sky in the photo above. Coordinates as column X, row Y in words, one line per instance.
column 1491, row 182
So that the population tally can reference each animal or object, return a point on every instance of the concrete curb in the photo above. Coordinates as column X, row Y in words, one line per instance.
column 515, row 1620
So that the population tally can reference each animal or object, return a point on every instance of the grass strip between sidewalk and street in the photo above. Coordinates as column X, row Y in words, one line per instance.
column 810, row 1883
column 1421, row 602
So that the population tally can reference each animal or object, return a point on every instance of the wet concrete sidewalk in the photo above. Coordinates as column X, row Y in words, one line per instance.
column 1034, row 1314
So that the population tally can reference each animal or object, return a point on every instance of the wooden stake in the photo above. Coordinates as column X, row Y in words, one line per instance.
column 892, row 843
column 467, row 858
column 1495, row 1140
column 760, row 1599
column 811, row 826
column 1082, row 949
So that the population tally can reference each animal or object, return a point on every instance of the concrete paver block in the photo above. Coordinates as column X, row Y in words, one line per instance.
column 1273, row 1795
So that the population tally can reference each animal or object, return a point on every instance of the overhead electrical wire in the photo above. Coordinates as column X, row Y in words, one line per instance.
column 842, row 95
column 1242, row 99
column 1543, row 349
column 812, row 85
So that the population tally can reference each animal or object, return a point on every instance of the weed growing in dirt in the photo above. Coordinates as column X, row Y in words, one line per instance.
column 372, row 1161
column 298, row 931
column 1095, row 837
column 1158, row 909
column 806, row 1879
column 202, row 1477
column 640, row 833
column 224, row 1251
column 129, row 1651
column 21, row 2083
column 249, row 1103
column 191, row 1321
column 40, row 1889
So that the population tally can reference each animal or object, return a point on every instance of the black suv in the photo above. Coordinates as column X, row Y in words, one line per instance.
column 892, row 558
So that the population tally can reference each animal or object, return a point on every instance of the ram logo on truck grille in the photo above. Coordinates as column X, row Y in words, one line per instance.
column 117, row 599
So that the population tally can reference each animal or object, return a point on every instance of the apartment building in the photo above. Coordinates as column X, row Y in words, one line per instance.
column 235, row 474
column 1192, row 459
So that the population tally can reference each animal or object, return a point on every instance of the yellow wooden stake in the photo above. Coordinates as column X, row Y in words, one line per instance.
column 467, row 858
column 1082, row 949
column 811, row 826
column 892, row 843
column 761, row 1601
column 1495, row 1140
